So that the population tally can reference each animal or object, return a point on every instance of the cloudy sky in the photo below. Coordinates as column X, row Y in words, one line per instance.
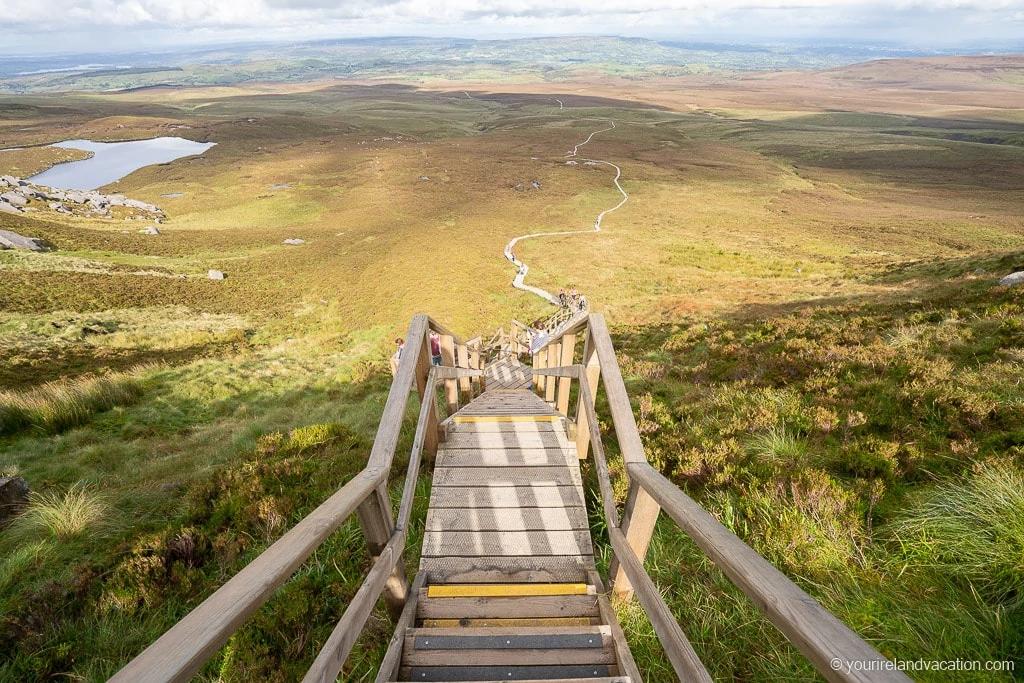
column 49, row 26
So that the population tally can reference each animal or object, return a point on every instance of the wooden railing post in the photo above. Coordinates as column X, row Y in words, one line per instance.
column 540, row 360
column 641, row 511
column 567, row 351
column 592, row 365
column 474, row 362
column 551, row 361
column 451, row 386
column 465, row 383
column 378, row 524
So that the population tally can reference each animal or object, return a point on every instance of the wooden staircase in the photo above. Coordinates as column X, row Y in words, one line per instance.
column 507, row 589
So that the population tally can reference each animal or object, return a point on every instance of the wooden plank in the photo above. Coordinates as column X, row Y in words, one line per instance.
column 506, row 476
column 601, row 631
column 500, row 457
column 462, row 360
column 567, row 351
column 470, row 543
column 519, row 569
column 523, row 519
column 463, row 624
column 505, row 496
column 488, row 419
column 503, row 673
column 451, row 387
column 476, row 590
column 550, row 384
column 604, row 679
column 460, row 439
column 388, row 670
column 508, row 608
column 502, row 657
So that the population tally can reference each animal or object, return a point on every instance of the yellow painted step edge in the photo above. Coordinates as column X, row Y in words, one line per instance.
column 507, row 623
column 501, row 590
column 507, row 418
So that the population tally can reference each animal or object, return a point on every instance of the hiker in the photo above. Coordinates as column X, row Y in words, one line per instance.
column 538, row 338
column 582, row 303
column 435, row 347
column 400, row 343
column 575, row 294
column 562, row 301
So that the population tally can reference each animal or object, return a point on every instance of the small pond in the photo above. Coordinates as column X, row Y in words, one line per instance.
column 114, row 160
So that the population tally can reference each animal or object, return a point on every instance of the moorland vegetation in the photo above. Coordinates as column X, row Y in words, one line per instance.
column 805, row 307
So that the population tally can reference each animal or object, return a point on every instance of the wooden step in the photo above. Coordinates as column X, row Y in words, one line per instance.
column 505, row 496
column 506, row 457
column 482, row 590
column 507, row 476
column 507, row 607
column 612, row 679
column 523, row 519
column 507, row 543
column 495, row 421
column 552, row 439
column 508, row 673
column 493, row 569
column 510, row 637
column 535, row 622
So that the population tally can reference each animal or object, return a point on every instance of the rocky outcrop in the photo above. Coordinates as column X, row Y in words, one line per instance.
column 1013, row 279
column 215, row 275
column 12, row 240
column 294, row 240
column 17, row 196
column 13, row 496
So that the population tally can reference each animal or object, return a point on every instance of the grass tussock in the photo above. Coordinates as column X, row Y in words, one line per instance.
column 62, row 515
column 57, row 406
column 973, row 529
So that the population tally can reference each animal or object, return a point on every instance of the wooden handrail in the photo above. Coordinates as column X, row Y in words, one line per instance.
column 180, row 652
column 335, row 651
column 816, row 632
column 680, row 652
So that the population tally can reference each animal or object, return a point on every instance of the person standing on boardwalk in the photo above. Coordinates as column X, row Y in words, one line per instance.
column 582, row 303
column 562, row 300
column 435, row 348
column 400, row 343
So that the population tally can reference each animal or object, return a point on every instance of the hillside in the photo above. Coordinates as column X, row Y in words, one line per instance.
column 803, row 288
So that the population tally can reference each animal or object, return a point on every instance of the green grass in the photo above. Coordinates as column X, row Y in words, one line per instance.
column 59, row 406
column 811, row 352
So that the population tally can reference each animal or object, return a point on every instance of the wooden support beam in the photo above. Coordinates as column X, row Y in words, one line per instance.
column 551, row 360
column 462, row 360
column 378, row 526
column 451, row 387
column 540, row 360
column 592, row 372
column 568, row 350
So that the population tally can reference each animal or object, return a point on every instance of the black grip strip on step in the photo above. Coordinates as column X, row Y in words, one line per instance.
column 565, row 641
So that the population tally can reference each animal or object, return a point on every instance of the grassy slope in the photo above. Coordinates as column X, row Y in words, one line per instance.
column 790, row 281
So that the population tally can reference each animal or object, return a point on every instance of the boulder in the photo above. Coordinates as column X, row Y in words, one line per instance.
column 13, row 496
column 1013, row 279
column 294, row 240
column 9, row 181
column 215, row 275
column 9, row 208
column 150, row 230
column 13, row 240
column 75, row 197
column 15, row 198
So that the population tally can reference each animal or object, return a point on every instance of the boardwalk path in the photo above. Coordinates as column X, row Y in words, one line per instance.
column 519, row 281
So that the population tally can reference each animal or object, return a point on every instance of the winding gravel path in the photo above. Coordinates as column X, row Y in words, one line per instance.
column 519, row 281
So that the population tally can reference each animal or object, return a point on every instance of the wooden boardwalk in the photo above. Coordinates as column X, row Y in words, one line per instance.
column 508, row 373
column 507, row 498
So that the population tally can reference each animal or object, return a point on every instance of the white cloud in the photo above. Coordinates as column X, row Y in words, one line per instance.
column 110, row 22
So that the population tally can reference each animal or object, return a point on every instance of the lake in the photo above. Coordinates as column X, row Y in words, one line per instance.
column 114, row 160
